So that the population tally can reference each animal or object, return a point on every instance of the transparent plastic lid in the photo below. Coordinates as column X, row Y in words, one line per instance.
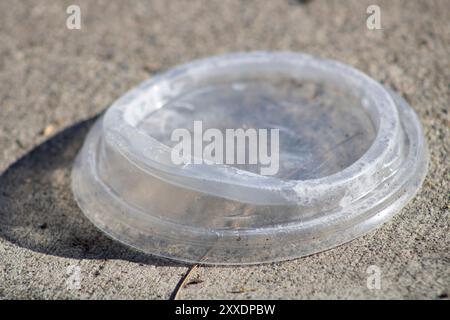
column 250, row 158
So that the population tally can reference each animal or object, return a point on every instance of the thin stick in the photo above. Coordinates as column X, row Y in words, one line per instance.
column 182, row 282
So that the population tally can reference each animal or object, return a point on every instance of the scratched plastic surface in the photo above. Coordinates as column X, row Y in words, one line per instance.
column 351, row 154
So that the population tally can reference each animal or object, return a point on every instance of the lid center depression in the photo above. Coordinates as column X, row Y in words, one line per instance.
column 322, row 129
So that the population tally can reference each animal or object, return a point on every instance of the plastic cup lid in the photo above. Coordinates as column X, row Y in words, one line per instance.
column 249, row 158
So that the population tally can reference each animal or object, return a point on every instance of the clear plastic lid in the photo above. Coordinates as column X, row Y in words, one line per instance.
column 349, row 154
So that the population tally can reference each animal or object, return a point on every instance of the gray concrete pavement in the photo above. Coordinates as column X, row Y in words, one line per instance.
column 54, row 81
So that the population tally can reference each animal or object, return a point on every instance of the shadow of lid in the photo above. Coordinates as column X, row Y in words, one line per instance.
column 38, row 211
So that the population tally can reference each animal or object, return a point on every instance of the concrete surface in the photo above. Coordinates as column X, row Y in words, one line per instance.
column 55, row 80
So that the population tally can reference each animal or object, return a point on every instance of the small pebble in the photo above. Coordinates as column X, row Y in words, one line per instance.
column 49, row 130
